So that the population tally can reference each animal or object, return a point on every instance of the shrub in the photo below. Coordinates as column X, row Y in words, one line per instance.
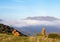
column 53, row 35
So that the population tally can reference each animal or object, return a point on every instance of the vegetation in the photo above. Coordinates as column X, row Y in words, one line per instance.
column 54, row 35
column 11, row 38
column 5, row 29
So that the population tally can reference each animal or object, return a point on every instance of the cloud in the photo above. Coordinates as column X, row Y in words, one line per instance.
column 32, row 22
column 21, row 23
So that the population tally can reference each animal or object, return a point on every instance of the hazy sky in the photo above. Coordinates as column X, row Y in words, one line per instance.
column 17, row 9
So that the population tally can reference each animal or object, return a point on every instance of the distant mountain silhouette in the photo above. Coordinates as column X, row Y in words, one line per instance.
column 42, row 18
column 32, row 30
column 1, row 20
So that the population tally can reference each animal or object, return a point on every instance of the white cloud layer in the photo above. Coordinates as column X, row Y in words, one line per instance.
column 21, row 23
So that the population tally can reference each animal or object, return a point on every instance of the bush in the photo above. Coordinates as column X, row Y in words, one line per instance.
column 53, row 35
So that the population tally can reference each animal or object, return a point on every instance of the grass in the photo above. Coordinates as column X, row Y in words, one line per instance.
column 11, row 38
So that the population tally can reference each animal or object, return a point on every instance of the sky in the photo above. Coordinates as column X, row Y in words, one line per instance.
column 18, row 9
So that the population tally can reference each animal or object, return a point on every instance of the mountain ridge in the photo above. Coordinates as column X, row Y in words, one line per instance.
column 49, row 18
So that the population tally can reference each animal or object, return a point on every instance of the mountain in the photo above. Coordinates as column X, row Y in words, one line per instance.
column 33, row 25
column 1, row 20
column 42, row 18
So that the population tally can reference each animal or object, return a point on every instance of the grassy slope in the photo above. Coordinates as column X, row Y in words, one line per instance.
column 11, row 38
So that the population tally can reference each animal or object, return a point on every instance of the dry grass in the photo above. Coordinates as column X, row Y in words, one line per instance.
column 11, row 38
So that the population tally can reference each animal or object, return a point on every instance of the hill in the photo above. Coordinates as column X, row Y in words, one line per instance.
column 8, row 30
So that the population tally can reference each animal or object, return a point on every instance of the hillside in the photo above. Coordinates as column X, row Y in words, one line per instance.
column 8, row 30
